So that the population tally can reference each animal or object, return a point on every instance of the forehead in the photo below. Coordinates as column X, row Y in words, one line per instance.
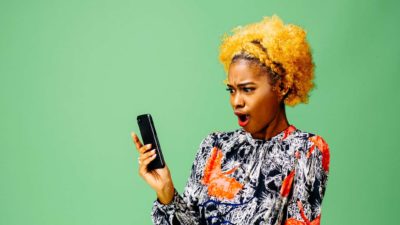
column 244, row 71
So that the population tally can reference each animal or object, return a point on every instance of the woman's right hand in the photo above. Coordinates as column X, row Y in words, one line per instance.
column 159, row 179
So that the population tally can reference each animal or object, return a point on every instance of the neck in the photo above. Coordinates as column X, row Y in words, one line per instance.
column 277, row 125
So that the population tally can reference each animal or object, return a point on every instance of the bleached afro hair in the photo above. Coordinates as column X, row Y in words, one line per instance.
column 281, row 48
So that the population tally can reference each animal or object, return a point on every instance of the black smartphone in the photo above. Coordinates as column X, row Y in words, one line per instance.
column 149, row 136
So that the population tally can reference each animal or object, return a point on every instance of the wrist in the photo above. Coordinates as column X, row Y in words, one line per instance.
column 166, row 194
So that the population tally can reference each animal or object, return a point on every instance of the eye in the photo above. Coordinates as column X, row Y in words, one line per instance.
column 230, row 90
column 246, row 89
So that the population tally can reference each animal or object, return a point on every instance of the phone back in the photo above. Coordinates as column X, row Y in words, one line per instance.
column 149, row 136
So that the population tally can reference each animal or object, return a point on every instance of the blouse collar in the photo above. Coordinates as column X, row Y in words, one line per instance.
column 278, row 137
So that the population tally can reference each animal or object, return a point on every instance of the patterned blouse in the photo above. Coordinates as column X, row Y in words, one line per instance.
column 236, row 179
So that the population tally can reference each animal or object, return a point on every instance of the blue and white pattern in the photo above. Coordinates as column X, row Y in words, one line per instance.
column 282, row 180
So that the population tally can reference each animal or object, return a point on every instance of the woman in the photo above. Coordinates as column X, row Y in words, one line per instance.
column 267, row 172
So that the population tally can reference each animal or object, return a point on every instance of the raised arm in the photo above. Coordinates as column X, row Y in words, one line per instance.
column 183, row 209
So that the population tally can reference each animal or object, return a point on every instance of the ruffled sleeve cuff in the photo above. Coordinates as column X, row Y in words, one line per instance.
column 168, row 209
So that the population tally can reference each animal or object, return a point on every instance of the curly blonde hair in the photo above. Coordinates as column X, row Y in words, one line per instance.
column 281, row 48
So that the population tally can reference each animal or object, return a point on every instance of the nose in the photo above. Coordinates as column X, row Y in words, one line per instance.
column 237, row 101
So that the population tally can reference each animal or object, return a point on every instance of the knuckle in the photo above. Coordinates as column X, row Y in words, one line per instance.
column 141, row 172
column 148, row 153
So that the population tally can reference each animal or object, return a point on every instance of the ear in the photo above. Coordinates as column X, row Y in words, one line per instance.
column 283, row 89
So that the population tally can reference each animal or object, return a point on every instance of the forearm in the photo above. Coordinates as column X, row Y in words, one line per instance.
column 166, row 194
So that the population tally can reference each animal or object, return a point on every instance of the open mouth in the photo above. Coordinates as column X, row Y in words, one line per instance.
column 243, row 119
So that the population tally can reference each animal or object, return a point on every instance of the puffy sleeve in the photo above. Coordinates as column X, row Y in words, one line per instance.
column 311, row 175
column 184, row 208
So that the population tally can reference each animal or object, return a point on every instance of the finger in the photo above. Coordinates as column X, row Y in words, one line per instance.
column 136, row 140
column 144, row 148
column 143, row 165
column 148, row 160
column 139, row 146
column 146, row 155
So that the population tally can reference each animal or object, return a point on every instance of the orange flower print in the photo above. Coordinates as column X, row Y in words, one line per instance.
column 288, row 131
column 323, row 147
column 218, row 183
column 287, row 184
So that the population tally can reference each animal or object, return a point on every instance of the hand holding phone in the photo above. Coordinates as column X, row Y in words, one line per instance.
column 158, row 178
column 149, row 136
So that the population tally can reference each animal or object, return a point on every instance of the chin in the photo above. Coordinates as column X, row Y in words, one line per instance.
column 249, row 130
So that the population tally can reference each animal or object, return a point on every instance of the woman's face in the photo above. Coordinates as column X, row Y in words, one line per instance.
column 252, row 98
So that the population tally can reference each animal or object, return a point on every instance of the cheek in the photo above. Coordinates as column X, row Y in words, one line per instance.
column 265, row 104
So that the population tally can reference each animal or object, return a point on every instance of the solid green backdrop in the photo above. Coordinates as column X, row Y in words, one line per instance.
column 75, row 74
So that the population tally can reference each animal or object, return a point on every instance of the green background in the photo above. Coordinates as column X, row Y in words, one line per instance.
column 75, row 74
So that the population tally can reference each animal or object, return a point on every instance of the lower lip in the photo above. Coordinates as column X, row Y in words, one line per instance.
column 243, row 123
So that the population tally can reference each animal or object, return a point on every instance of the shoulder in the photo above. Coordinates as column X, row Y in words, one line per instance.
column 314, row 147
column 309, row 138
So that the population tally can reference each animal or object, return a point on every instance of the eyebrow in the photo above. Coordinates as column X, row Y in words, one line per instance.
column 242, row 84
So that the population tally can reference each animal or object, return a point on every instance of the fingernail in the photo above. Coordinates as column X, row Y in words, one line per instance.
column 153, row 150
column 148, row 145
column 154, row 155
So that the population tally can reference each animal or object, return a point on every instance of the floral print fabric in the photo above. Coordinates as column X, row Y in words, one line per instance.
column 236, row 179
